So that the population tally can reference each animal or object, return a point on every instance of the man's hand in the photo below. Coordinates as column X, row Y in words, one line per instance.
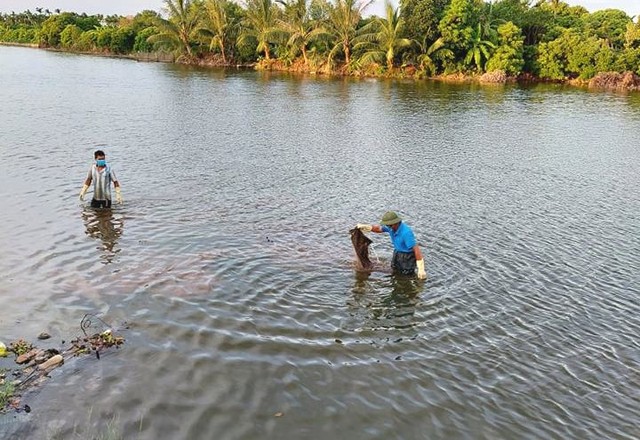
column 422, row 274
column 364, row 227
column 83, row 191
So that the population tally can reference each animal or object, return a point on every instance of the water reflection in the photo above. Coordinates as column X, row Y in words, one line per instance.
column 389, row 302
column 103, row 225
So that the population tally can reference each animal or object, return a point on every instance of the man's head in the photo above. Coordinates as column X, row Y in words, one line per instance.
column 100, row 158
column 391, row 219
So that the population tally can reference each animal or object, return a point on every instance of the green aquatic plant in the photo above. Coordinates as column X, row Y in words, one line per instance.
column 7, row 389
column 20, row 347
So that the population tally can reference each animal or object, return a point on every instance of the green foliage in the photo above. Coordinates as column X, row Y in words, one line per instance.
column 421, row 18
column 141, row 43
column 88, row 41
column 630, row 60
column 179, row 31
column 609, row 25
column 509, row 55
column 103, row 37
column 301, row 29
column 144, row 20
column 260, row 25
column 343, row 21
column 53, row 26
column 544, row 37
column 381, row 38
column 552, row 56
column 70, row 36
column 6, row 393
column 590, row 56
column 122, row 40
column 21, row 34
column 479, row 49
column 456, row 26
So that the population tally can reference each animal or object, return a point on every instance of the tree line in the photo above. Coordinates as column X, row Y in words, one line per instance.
column 547, row 39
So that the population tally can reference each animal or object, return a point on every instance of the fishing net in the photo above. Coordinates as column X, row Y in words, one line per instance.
column 361, row 247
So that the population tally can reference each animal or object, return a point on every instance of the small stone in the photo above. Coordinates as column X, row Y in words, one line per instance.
column 41, row 356
column 26, row 357
column 278, row 414
column 44, row 335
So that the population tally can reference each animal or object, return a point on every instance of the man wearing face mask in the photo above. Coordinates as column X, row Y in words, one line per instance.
column 101, row 175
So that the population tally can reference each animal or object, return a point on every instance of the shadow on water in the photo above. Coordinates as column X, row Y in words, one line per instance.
column 103, row 225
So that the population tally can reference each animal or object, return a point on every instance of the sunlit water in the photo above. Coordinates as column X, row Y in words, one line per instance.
column 229, row 269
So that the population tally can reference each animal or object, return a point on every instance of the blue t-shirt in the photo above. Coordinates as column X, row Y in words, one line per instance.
column 403, row 239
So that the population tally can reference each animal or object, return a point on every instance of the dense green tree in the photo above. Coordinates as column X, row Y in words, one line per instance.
column 552, row 56
column 456, row 26
column 144, row 20
column 141, row 43
column 70, row 36
column 590, row 56
column 122, row 40
column 609, row 25
column 421, row 18
column 509, row 54
column 52, row 27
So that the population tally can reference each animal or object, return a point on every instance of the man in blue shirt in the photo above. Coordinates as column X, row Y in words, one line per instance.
column 406, row 252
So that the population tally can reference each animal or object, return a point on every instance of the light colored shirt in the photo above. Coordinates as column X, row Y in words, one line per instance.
column 403, row 239
column 102, row 181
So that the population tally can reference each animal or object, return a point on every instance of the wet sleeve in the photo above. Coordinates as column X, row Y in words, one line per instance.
column 90, row 173
column 113, row 176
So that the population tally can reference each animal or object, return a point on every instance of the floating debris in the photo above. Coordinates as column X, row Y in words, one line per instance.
column 36, row 363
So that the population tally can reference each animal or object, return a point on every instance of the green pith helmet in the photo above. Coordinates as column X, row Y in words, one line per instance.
column 390, row 218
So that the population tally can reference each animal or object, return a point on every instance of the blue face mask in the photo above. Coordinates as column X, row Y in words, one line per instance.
column 101, row 163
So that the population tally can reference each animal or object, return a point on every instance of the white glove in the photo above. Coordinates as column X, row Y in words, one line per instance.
column 118, row 196
column 83, row 191
column 363, row 227
column 422, row 275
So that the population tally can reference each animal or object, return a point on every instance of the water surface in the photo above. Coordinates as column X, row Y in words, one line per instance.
column 229, row 267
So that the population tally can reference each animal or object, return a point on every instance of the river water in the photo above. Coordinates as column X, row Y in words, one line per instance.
column 229, row 268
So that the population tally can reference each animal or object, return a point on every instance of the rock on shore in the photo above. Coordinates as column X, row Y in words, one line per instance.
column 615, row 81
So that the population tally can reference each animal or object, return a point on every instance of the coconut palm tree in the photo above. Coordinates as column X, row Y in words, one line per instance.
column 343, row 20
column 260, row 24
column 380, row 38
column 302, row 30
column 216, row 25
column 180, row 29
